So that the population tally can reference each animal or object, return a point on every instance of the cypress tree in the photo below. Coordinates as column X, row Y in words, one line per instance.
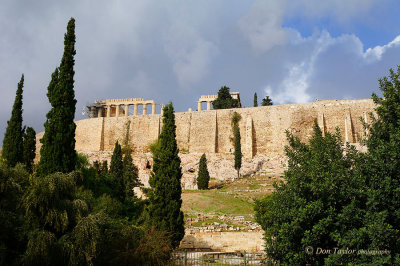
column 203, row 177
column 238, row 150
column 255, row 101
column 165, row 194
column 12, row 142
column 130, row 175
column 58, row 150
column 116, row 161
column 116, row 171
column 104, row 168
column 29, row 148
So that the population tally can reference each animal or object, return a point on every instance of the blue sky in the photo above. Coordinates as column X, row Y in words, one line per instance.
column 294, row 51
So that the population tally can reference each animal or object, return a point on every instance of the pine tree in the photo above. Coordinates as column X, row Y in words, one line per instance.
column 12, row 142
column 130, row 175
column 225, row 100
column 266, row 101
column 29, row 148
column 255, row 101
column 165, row 194
column 58, row 150
column 203, row 177
column 238, row 150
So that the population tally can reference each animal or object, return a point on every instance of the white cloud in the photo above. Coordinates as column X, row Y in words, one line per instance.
column 373, row 54
column 189, row 53
column 262, row 25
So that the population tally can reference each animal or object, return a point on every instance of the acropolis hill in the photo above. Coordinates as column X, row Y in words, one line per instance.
column 210, row 131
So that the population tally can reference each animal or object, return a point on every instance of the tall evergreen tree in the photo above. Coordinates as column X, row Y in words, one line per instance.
column 255, row 101
column 266, row 101
column 130, row 175
column 225, row 100
column 116, row 170
column 203, row 177
column 58, row 150
column 104, row 168
column 164, row 209
column 12, row 142
column 116, row 161
column 29, row 148
column 238, row 150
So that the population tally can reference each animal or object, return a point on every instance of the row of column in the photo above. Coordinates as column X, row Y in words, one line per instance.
column 208, row 105
column 118, row 107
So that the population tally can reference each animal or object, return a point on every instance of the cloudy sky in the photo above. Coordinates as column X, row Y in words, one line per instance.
column 294, row 50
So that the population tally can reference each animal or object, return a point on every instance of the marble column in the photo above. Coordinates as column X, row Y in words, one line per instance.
column 135, row 109
column 144, row 109
column 117, row 110
column 108, row 110
column 99, row 111
column 198, row 106
column 153, row 109
column 208, row 105
column 126, row 109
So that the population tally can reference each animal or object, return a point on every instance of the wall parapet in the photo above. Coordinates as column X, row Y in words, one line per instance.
column 262, row 128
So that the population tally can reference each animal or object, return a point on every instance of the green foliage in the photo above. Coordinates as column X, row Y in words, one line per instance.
column 266, row 101
column 203, row 177
column 13, row 137
column 163, row 211
column 116, row 162
column 62, row 231
column 380, row 227
column 13, row 182
column 236, row 117
column 155, row 146
column 82, row 161
column 29, row 144
column 255, row 101
column 130, row 176
column 225, row 100
column 58, row 150
column 238, row 150
column 318, row 201
column 104, row 167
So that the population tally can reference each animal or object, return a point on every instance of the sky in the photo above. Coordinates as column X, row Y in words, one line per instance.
column 295, row 51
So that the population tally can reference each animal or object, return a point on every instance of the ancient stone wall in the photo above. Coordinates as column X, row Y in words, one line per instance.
column 262, row 128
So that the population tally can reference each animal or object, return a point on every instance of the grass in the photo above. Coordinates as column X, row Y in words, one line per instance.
column 234, row 199
column 215, row 202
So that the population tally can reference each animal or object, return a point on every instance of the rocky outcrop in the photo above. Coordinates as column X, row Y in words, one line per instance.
column 220, row 166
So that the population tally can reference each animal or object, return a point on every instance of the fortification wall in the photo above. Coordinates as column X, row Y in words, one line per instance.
column 262, row 128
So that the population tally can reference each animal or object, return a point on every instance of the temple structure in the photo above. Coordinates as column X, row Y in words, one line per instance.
column 120, row 107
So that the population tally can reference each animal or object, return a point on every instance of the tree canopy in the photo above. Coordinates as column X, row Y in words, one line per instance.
column 266, row 101
column 58, row 150
column 164, row 210
column 225, row 100
column 203, row 176
column 255, row 101
column 13, row 137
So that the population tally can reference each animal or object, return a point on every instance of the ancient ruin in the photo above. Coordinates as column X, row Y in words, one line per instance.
column 119, row 107
column 210, row 98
